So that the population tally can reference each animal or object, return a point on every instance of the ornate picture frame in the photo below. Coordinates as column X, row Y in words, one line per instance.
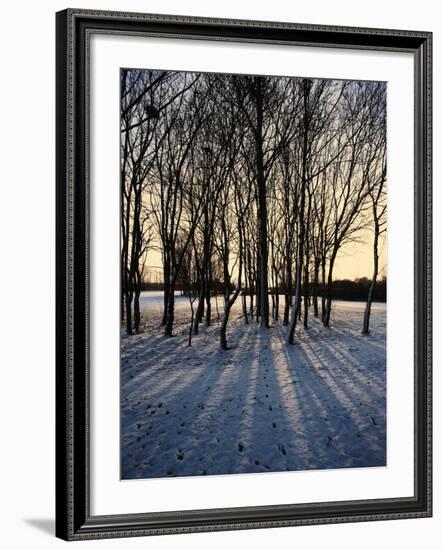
column 74, row 520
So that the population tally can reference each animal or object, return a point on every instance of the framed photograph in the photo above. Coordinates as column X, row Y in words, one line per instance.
column 243, row 274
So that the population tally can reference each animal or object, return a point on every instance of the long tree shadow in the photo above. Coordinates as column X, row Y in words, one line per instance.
column 349, row 353
column 261, row 406
column 375, row 339
column 350, row 374
column 138, row 359
column 334, row 415
column 341, row 374
column 162, row 425
column 220, row 443
column 269, row 436
column 159, row 374
column 206, row 386
column 138, row 354
column 357, row 371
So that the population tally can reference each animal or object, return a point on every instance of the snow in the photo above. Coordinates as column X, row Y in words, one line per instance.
column 260, row 406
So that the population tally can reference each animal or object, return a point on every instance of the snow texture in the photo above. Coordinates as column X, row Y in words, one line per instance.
column 261, row 406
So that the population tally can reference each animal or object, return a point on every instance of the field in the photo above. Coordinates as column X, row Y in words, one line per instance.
column 260, row 406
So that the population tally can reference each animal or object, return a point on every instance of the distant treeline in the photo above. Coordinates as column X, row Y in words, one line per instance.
column 216, row 287
column 358, row 290
column 342, row 289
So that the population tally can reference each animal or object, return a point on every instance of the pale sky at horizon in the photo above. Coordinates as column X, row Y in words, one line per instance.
column 354, row 260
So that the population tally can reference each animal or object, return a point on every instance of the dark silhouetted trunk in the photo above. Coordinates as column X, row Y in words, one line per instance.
column 128, row 315
column 137, row 310
column 315, row 287
column 323, row 288
column 170, row 310
column 328, row 306
column 306, row 296
column 288, row 292
column 191, row 303
column 367, row 313
column 301, row 213
column 261, row 207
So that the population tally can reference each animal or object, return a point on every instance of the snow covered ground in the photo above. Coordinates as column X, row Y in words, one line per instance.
column 260, row 406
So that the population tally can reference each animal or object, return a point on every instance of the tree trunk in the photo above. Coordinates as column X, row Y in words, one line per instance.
column 262, row 206
column 328, row 307
column 137, row 310
column 224, row 323
column 191, row 302
column 122, row 292
column 296, row 305
column 367, row 313
column 323, row 288
column 245, row 308
column 166, row 277
column 216, row 305
column 306, row 296
column 315, row 288
column 277, row 303
column 129, row 312
column 257, row 291
column 244, row 293
column 288, row 293
column 170, row 309
column 208, row 295
column 200, row 308
column 229, row 303
column 301, row 213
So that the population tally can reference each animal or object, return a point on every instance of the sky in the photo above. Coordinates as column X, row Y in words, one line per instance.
column 356, row 260
column 353, row 261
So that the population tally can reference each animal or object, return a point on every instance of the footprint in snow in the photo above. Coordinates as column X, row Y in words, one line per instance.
column 282, row 449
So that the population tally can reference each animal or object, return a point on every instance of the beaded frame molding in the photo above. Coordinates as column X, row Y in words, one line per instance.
column 74, row 521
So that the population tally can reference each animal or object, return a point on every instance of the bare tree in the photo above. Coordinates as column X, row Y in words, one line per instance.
column 350, row 174
column 320, row 100
column 377, row 193
column 177, row 183
column 139, row 119
column 241, row 203
column 269, row 114
column 249, row 186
